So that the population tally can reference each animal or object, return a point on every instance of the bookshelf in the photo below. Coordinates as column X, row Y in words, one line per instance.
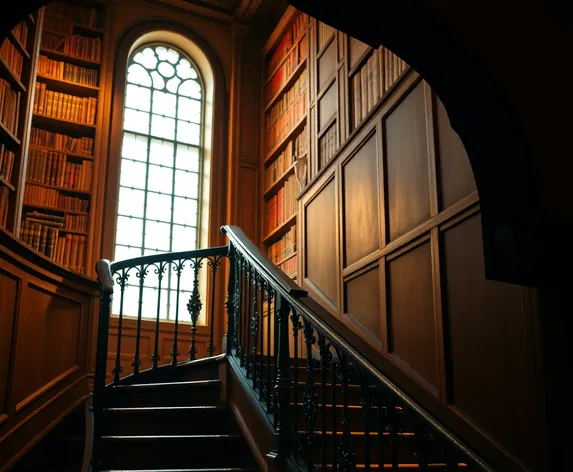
column 320, row 88
column 17, row 68
column 285, row 137
column 57, row 202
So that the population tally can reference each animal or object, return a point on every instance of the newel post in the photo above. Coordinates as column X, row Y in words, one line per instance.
column 106, row 298
column 282, row 387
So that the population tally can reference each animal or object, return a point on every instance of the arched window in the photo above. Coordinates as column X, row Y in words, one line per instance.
column 160, row 185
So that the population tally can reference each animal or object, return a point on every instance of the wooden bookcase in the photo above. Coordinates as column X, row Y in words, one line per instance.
column 345, row 82
column 57, row 202
column 285, row 136
column 17, row 69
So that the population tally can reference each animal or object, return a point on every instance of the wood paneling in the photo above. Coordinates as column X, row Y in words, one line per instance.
column 46, row 318
column 248, row 217
column 411, row 312
column 327, row 65
column 491, row 371
column 8, row 311
column 321, row 243
column 362, row 298
column 407, row 164
column 327, row 106
column 456, row 179
column 361, row 208
column 356, row 51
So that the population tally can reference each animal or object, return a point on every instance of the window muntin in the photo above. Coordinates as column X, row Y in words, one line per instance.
column 160, row 180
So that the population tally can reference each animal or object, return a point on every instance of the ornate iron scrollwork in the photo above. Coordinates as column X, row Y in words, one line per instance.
column 194, row 306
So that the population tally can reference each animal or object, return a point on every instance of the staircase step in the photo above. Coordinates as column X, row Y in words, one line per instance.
column 170, row 420
column 405, row 442
column 189, row 393
column 406, row 466
column 183, row 470
column 165, row 452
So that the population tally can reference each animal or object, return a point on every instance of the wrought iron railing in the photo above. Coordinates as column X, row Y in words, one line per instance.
column 330, row 407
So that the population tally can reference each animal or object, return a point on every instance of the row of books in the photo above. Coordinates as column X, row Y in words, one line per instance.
column 9, row 106
column 12, row 58
column 295, row 148
column 372, row 81
column 6, row 163
column 283, row 116
column 62, row 70
column 67, row 250
column 20, row 31
column 297, row 55
column 76, row 45
column 51, row 168
column 290, row 266
column 90, row 17
column 64, row 106
column 4, row 200
column 292, row 35
column 324, row 34
column 76, row 223
column 327, row 146
column 49, row 197
column 62, row 142
column 282, row 205
column 284, row 247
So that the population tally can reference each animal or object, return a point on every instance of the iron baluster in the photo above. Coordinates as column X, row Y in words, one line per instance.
column 276, row 357
column 365, row 404
column 230, row 302
column 310, row 405
column 325, row 359
column 296, row 327
column 346, row 457
column 136, row 360
column 194, row 306
column 333, row 376
column 238, row 302
column 213, row 264
column 247, row 322
column 269, row 302
column 283, row 378
column 178, row 267
column 392, row 426
column 159, row 271
column 122, row 281
column 255, row 329
column 262, row 338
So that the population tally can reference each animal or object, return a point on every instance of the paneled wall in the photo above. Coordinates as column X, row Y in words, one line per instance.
column 46, row 321
column 391, row 243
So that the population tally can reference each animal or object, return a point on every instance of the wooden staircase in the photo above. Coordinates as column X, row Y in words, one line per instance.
column 177, row 424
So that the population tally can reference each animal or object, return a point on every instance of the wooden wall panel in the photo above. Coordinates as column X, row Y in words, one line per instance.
column 248, row 215
column 356, row 51
column 327, row 65
column 492, row 375
column 321, row 244
column 8, row 309
column 48, row 340
column 327, row 106
column 407, row 164
column 455, row 176
column 361, row 208
column 411, row 312
column 362, row 298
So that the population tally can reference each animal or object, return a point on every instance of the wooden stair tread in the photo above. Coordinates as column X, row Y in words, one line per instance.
column 188, row 383
column 155, row 437
column 136, row 409
column 183, row 470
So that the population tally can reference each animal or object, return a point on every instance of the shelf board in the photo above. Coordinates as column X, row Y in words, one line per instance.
column 280, row 230
column 284, row 259
column 282, row 144
column 69, row 58
column 5, row 131
column 282, row 61
column 288, row 83
column 70, row 231
column 62, row 123
column 21, row 48
column 76, row 26
column 11, row 77
column 69, row 86
column 7, row 184
column 60, row 189
column 67, row 153
column 59, row 210
column 277, row 184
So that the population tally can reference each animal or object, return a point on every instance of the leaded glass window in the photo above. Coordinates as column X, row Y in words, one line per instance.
column 159, row 190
